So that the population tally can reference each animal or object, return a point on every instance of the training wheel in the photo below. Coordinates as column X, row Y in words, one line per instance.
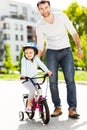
column 21, row 115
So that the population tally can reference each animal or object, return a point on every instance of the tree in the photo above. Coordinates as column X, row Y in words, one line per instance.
column 19, row 64
column 84, row 61
column 78, row 15
column 7, row 62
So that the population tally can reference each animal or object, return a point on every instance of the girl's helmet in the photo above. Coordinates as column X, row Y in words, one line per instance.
column 31, row 45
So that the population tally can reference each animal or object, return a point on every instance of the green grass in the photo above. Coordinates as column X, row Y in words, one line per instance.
column 9, row 76
column 79, row 76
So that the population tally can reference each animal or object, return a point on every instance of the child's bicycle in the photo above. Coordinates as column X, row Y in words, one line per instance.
column 39, row 102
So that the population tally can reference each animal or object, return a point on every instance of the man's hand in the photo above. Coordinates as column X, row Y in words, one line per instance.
column 80, row 53
column 39, row 53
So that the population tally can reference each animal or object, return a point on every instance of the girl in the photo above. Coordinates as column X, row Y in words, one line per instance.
column 29, row 64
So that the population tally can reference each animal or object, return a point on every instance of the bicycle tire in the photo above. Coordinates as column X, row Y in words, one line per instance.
column 45, row 115
column 21, row 116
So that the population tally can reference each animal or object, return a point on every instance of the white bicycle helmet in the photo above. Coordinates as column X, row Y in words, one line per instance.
column 31, row 45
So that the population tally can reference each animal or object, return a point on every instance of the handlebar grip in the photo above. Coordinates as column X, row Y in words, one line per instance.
column 46, row 75
column 21, row 78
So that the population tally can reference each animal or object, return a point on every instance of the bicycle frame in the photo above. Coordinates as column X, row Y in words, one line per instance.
column 39, row 102
column 38, row 98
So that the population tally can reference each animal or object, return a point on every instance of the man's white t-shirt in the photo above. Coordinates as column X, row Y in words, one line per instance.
column 56, row 33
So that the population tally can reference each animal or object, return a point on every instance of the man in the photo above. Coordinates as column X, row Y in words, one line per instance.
column 53, row 27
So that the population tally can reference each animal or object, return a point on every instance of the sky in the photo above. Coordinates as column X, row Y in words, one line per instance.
column 59, row 4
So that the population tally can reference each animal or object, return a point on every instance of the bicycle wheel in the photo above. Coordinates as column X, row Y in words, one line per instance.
column 21, row 116
column 45, row 115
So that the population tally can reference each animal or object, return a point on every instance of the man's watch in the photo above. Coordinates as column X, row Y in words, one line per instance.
column 80, row 48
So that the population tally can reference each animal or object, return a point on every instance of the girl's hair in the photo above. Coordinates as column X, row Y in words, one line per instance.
column 42, row 2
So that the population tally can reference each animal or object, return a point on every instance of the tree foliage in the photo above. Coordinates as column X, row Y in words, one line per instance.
column 78, row 15
column 84, row 61
column 7, row 62
column 20, row 57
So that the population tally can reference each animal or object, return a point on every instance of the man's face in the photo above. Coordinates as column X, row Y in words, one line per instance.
column 44, row 9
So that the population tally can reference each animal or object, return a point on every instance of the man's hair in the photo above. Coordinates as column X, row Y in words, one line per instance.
column 42, row 2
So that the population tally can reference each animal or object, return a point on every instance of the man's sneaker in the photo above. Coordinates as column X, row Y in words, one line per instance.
column 73, row 114
column 56, row 112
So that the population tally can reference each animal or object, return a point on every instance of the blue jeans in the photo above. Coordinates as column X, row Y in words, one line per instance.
column 63, row 58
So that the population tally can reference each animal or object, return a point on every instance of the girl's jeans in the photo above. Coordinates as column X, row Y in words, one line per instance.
column 63, row 58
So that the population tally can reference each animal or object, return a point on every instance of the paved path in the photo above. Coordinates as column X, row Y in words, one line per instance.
column 11, row 103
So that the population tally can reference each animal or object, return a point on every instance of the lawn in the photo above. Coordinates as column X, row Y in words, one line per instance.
column 9, row 76
column 79, row 76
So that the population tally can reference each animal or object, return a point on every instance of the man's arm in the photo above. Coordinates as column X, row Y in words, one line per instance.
column 77, row 41
column 39, row 53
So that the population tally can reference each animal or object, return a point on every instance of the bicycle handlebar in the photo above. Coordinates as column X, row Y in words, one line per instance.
column 44, row 78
